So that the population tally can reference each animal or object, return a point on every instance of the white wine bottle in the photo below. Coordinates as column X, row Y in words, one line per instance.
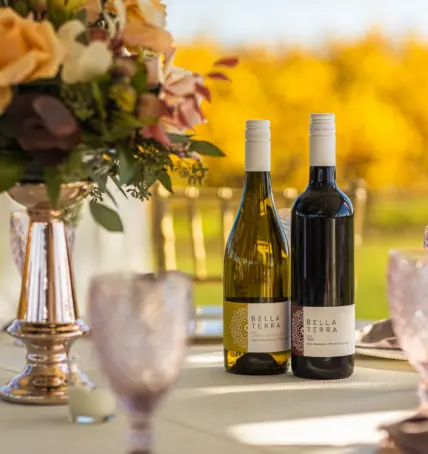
column 256, row 309
column 322, row 247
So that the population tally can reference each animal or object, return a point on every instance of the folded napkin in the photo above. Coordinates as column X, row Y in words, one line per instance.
column 377, row 335
column 409, row 436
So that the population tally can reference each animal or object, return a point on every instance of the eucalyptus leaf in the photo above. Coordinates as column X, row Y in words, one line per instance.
column 74, row 165
column 11, row 171
column 118, row 185
column 100, row 180
column 150, row 176
column 205, row 148
column 165, row 181
column 179, row 138
column 125, row 119
column 126, row 165
column 111, row 197
column 106, row 217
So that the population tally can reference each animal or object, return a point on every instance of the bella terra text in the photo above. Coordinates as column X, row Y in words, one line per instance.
column 265, row 322
column 321, row 326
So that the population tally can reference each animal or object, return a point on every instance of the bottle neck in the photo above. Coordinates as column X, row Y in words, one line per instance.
column 322, row 176
column 322, row 158
column 257, row 185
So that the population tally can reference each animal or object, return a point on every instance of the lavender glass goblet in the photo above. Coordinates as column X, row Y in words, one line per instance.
column 140, row 324
column 408, row 302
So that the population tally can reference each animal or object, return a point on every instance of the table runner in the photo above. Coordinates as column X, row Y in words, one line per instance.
column 213, row 412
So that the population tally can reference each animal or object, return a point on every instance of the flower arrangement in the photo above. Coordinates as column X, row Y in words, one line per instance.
column 88, row 92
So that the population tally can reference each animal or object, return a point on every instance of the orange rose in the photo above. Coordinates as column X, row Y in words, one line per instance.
column 29, row 51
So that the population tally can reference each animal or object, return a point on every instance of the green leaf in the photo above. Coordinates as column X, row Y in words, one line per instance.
column 117, row 183
column 74, row 165
column 165, row 181
column 125, row 119
column 57, row 13
column 139, row 82
column 123, row 126
column 111, row 197
column 179, row 138
column 126, row 165
column 149, row 175
column 81, row 14
column 99, row 99
column 100, row 180
column 11, row 171
column 205, row 148
column 53, row 185
column 106, row 217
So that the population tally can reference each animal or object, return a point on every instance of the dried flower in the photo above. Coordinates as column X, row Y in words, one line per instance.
column 184, row 91
column 151, row 12
column 154, row 70
column 124, row 67
column 149, row 105
column 43, row 127
column 143, row 24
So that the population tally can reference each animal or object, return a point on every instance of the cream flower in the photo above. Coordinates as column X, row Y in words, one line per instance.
column 82, row 63
column 29, row 51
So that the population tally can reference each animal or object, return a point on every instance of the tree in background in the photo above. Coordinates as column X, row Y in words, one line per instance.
column 377, row 89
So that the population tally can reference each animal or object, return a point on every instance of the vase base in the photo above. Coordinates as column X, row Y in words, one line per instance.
column 47, row 375
column 21, row 390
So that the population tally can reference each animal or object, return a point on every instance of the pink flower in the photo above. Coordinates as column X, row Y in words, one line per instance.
column 184, row 91
column 181, row 95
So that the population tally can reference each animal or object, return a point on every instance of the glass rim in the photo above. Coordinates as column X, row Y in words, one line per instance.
column 134, row 276
column 418, row 256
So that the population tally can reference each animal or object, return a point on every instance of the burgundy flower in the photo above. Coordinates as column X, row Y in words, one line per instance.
column 43, row 127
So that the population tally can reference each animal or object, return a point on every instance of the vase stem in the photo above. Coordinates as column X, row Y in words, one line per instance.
column 48, row 320
column 47, row 293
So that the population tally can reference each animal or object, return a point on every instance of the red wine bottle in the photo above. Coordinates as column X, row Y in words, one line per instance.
column 322, row 270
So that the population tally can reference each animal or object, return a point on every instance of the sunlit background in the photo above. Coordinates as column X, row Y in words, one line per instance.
column 366, row 61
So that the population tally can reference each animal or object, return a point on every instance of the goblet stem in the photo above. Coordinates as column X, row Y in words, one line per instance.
column 423, row 397
column 140, row 435
column 140, row 432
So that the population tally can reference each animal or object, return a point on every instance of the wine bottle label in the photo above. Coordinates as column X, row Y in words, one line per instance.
column 256, row 327
column 323, row 331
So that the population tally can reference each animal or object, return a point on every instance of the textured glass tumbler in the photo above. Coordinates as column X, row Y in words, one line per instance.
column 408, row 302
column 140, row 325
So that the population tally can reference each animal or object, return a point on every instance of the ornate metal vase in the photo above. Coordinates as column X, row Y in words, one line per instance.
column 48, row 319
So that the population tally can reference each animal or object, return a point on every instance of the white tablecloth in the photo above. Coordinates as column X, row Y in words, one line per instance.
column 212, row 412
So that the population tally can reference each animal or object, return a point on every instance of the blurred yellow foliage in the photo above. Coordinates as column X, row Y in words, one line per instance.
column 378, row 91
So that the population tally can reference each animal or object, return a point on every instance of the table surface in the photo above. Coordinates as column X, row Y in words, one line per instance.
column 213, row 412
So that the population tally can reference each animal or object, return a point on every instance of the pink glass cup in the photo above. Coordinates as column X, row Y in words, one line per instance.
column 140, row 325
column 408, row 303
